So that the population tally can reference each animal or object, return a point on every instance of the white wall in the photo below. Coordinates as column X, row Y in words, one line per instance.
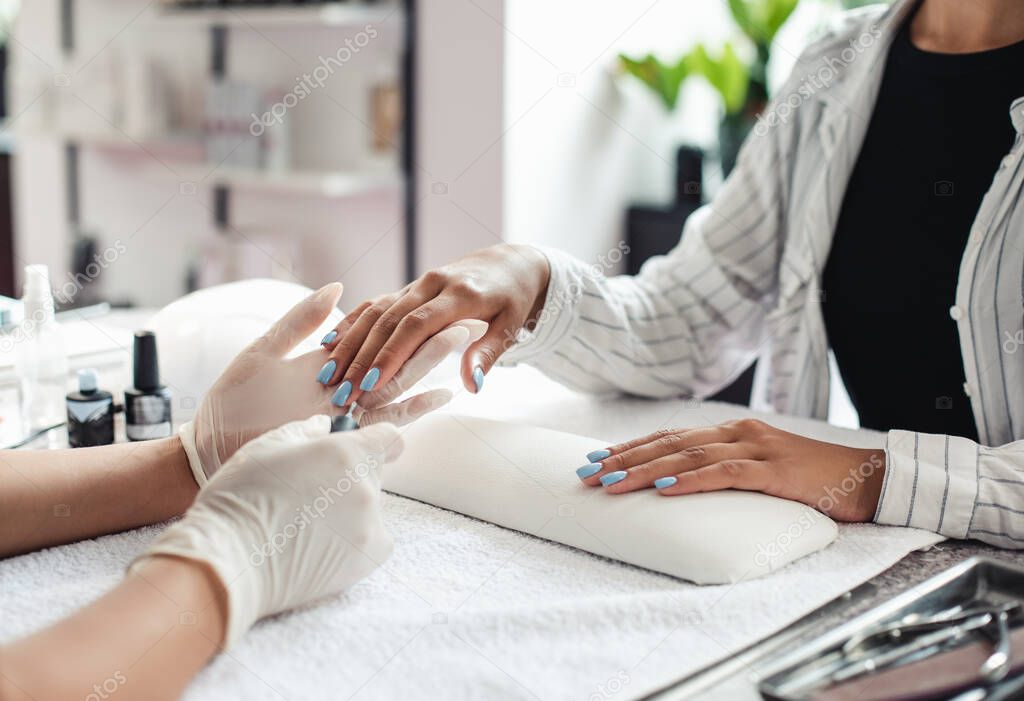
column 460, row 121
column 580, row 151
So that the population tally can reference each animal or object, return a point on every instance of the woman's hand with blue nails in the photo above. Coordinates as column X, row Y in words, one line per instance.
column 748, row 454
column 503, row 285
column 380, row 406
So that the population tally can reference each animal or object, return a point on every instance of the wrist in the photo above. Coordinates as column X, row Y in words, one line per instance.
column 872, row 470
column 194, row 587
column 177, row 462
column 186, row 437
column 541, row 268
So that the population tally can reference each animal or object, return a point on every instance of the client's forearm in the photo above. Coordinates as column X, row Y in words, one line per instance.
column 58, row 496
column 145, row 639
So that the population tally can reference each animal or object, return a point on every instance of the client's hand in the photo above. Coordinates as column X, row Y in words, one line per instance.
column 843, row 482
column 503, row 285
column 292, row 517
column 261, row 389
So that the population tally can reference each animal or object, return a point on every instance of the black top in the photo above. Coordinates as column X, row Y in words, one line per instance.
column 939, row 129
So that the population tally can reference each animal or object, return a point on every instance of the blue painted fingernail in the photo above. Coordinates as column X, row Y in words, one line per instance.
column 329, row 338
column 341, row 394
column 326, row 372
column 613, row 477
column 598, row 455
column 588, row 471
column 663, row 482
column 478, row 378
column 370, row 380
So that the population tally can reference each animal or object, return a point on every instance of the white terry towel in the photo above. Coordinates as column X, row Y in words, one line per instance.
column 468, row 610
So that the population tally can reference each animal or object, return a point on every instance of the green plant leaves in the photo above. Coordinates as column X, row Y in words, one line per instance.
column 727, row 73
column 664, row 79
column 761, row 19
column 730, row 75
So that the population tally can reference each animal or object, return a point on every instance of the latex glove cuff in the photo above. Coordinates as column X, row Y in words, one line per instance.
column 187, row 435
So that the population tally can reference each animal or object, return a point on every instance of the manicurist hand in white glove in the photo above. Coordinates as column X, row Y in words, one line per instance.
column 292, row 517
column 284, row 513
column 58, row 496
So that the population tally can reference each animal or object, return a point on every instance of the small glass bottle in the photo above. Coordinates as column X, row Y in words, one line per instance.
column 90, row 413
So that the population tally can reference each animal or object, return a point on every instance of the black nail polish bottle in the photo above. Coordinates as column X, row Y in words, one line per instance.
column 90, row 413
column 147, row 405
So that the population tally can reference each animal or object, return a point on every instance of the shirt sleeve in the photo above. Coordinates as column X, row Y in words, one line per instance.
column 691, row 320
column 955, row 487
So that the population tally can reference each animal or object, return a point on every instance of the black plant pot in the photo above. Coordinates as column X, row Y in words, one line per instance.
column 732, row 131
column 653, row 230
column 3, row 81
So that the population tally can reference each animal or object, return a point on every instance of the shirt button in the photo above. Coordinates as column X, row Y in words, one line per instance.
column 956, row 313
column 967, row 388
column 1007, row 161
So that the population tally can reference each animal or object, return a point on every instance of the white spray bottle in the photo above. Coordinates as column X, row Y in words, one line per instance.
column 42, row 362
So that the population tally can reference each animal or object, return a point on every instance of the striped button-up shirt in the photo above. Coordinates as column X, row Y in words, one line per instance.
column 745, row 282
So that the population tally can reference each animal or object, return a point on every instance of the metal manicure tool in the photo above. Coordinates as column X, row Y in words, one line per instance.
column 346, row 422
column 962, row 618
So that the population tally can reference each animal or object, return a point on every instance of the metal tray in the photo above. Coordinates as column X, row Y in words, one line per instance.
column 974, row 581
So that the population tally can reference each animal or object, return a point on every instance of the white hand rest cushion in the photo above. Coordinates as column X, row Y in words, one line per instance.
column 524, row 478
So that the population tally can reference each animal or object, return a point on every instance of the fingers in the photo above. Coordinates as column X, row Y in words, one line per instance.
column 626, row 456
column 481, row 356
column 405, row 412
column 644, row 475
column 334, row 336
column 300, row 321
column 644, row 440
column 401, row 341
column 418, row 366
column 751, row 475
column 662, row 444
column 348, row 345
column 367, row 360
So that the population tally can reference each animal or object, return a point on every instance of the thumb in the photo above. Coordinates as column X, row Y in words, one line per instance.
column 481, row 356
column 300, row 321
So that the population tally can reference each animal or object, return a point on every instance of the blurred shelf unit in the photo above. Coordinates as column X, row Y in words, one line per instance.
column 323, row 184
column 171, row 106
column 329, row 184
column 330, row 14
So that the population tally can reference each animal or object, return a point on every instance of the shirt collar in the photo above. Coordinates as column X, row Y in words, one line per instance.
column 1017, row 114
column 872, row 62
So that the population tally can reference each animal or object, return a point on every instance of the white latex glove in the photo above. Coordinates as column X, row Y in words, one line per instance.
column 262, row 389
column 294, row 516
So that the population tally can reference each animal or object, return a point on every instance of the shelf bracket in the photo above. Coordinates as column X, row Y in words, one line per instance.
column 67, row 26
